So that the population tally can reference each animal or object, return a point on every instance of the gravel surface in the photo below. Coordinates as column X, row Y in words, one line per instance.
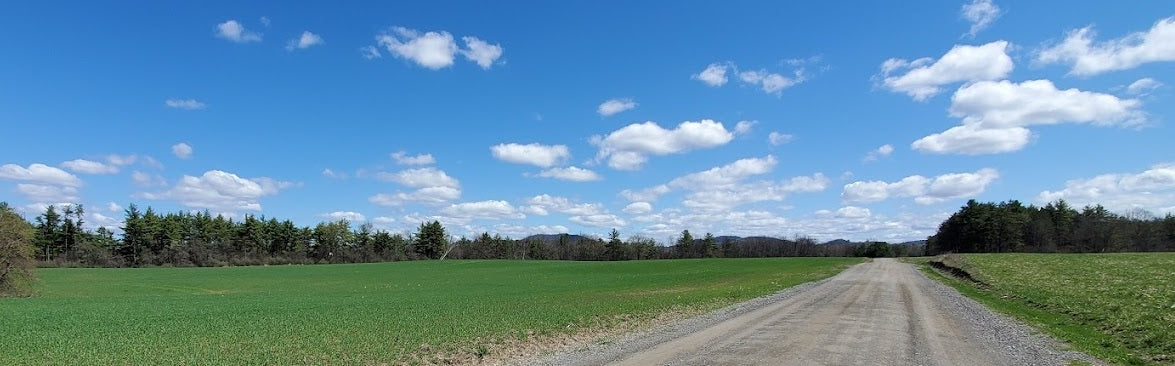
column 879, row 313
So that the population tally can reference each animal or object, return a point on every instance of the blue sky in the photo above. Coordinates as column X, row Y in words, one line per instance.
column 830, row 119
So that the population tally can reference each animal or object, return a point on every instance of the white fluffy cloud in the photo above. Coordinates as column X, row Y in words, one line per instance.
column 725, row 175
column 1143, row 86
column 571, row 173
column 426, row 195
column 614, row 106
column 543, row 156
column 48, row 193
column 420, row 178
column 89, row 167
column 481, row 52
column 713, row 75
column 435, row 50
column 995, row 114
column 723, row 187
column 220, row 191
column 726, row 198
column 776, row 138
column 306, row 40
column 434, row 187
column 980, row 13
column 853, row 212
column 189, row 104
column 39, row 173
column 1152, row 190
column 234, row 31
column 771, row 83
column 182, row 150
column 628, row 148
column 638, row 208
column 924, row 77
column 924, row 190
column 1088, row 57
column 403, row 158
column 543, row 204
column 350, row 216
column 488, row 210
column 599, row 220
column 880, row 152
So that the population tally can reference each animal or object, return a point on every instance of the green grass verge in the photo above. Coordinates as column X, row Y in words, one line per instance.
column 1117, row 307
column 360, row 313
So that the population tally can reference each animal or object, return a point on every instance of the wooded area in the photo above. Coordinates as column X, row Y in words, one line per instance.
column 201, row 239
column 1054, row 228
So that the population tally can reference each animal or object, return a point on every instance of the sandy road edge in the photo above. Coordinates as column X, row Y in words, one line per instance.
column 602, row 352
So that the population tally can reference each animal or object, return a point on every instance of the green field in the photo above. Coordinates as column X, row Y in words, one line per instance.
column 1118, row 307
column 407, row 312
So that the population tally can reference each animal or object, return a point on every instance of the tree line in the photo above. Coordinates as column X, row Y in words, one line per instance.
column 1011, row 226
column 148, row 238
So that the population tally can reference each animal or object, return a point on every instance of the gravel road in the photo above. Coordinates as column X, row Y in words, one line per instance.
column 880, row 313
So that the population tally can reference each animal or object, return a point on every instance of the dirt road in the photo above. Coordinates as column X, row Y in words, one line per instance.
column 879, row 313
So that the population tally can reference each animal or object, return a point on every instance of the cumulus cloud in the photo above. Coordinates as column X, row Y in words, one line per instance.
column 638, row 208
column 995, row 115
column 403, row 158
column 1143, row 86
column 39, row 173
column 776, row 138
column 628, row 148
column 725, row 187
column 189, row 104
column 306, row 40
column 234, row 31
column 48, row 193
column 434, row 187
column 182, row 150
column 539, row 155
column 853, row 212
column 1152, row 190
column 924, row 190
column 599, row 220
column 771, row 83
column 880, row 152
column 981, row 13
column 572, row 174
column 426, row 195
column 435, row 49
column 421, row 177
column 923, row 78
column 543, row 204
column 113, row 207
column 220, row 191
column 486, row 210
column 350, row 216
column 481, row 52
column 714, row 75
column 1088, row 57
column 89, row 167
column 614, row 106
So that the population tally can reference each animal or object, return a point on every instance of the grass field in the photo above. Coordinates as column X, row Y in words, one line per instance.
column 1118, row 307
column 408, row 312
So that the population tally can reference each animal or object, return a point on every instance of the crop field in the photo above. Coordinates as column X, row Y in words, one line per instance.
column 1119, row 307
column 380, row 313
